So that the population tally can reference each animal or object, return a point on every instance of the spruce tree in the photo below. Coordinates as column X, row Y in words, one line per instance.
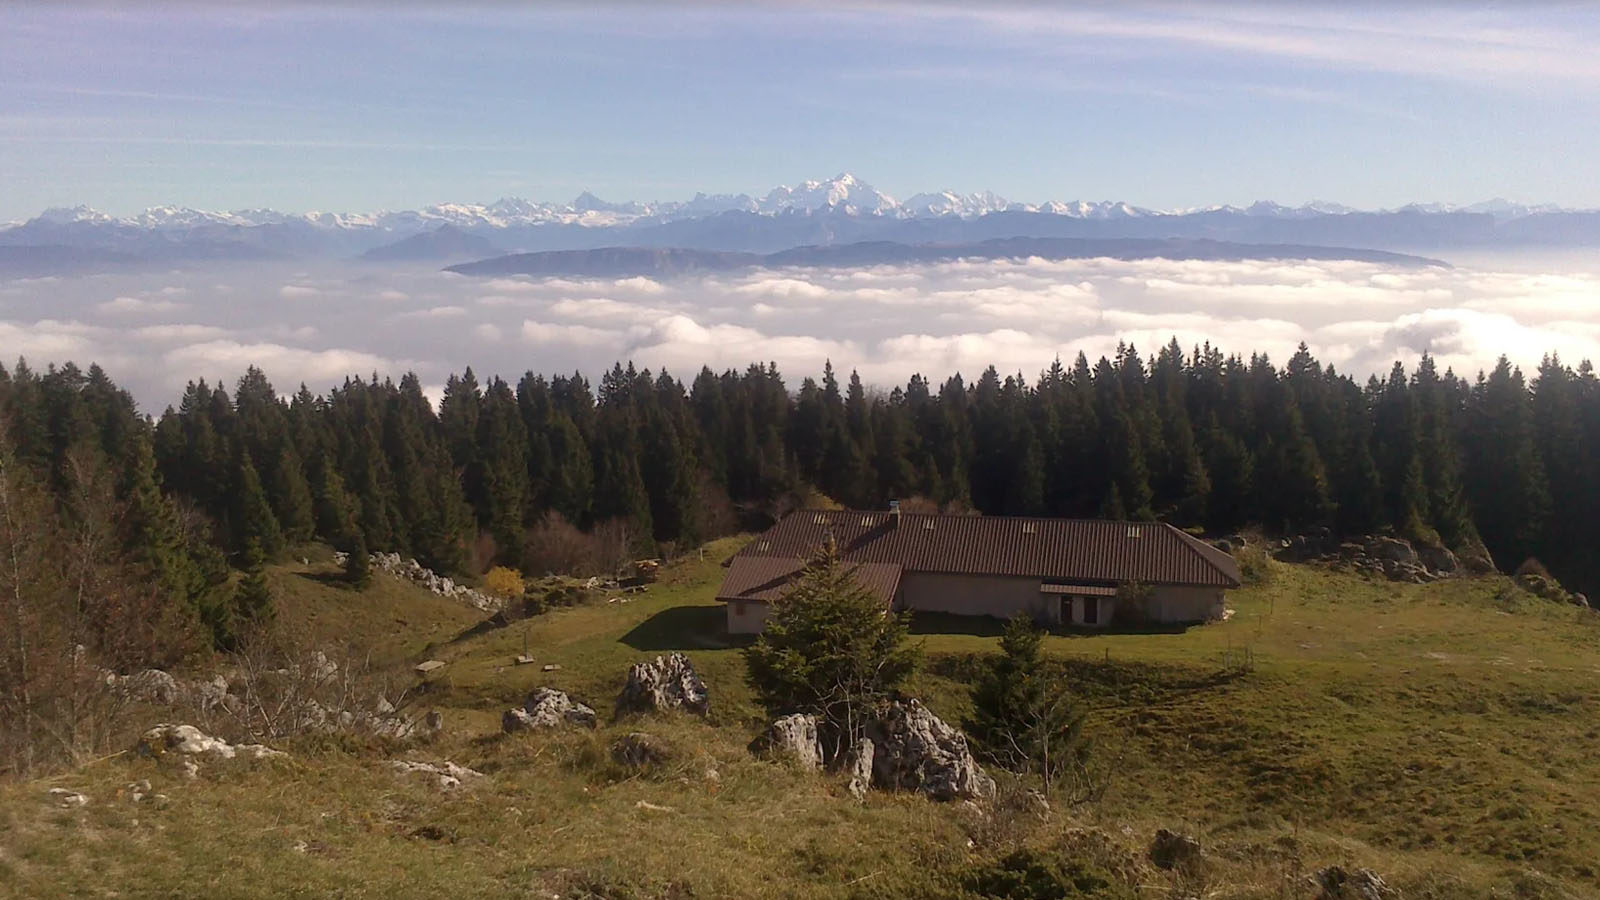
column 252, row 599
column 358, row 562
column 252, row 522
column 1023, row 718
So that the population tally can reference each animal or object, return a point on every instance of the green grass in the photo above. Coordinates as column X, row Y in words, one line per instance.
column 1445, row 735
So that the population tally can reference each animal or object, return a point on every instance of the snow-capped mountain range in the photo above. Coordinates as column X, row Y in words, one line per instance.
column 839, row 210
column 843, row 194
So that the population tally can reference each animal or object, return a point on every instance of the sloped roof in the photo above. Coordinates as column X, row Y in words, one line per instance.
column 766, row 578
column 1086, row 550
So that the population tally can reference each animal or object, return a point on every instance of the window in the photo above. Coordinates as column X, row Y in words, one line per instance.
column 866, row 521
column 819, row 519
column 1091, row 610
column 1134, row 531
column 1030, row 528
column 738, row 607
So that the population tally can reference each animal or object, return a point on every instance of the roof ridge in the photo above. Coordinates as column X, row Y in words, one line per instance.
column 941, row 515
column 1194, row 544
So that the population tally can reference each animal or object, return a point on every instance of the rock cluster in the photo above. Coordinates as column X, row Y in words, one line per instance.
column 1338, row 883
column 914, row 750
column 664, row 683
column 905, row 747
column 1380, row 556
column 156, row 686
column 424, row 577
column 447, row 775
column 188, row 742
column 1541, row 585
column 547, row 708
column 793, row 737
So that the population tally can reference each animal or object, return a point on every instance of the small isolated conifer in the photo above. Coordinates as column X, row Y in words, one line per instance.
column 830, row 648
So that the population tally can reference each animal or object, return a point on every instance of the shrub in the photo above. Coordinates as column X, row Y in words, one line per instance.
column 503, row 581
column 1133, row 605
column 1031, row 875
column 1255, row 567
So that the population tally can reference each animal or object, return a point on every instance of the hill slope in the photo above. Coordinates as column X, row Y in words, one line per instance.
column 1441, row 734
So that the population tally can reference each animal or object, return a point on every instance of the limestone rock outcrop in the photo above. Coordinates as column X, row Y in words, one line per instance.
column 662, row 684
column 914, row 750
column 792, row 737
column 547, row 708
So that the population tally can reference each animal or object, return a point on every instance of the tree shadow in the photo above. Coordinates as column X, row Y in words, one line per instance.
column 328, row 579
column 950, row 623
column 685, row 628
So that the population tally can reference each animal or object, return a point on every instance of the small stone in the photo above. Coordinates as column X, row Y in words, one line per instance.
column 523, row 660
column 423, row 668
column 67, row 799
column 1337, row 883
column 652, row 807
column 550, row 667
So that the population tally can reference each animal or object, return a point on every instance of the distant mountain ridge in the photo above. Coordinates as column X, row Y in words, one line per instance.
column 839, row 210
column 843, row 193
column 629, row 262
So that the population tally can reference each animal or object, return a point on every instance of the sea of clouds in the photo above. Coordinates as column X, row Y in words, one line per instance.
column 153, row 332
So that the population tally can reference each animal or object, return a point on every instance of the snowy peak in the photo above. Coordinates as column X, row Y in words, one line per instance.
column 842, row 193
column 64, row 215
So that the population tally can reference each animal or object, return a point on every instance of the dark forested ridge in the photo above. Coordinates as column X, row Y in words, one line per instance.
column 516, row 473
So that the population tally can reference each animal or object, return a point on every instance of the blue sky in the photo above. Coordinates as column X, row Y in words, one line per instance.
column 242, row 105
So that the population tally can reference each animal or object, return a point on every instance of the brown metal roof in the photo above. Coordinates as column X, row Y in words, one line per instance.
column 766, row 578
column 1087, row 550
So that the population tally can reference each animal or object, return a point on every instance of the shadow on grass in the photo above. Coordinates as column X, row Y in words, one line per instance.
column 328, row 579
column 685, row 628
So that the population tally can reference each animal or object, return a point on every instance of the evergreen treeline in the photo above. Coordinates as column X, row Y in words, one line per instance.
column 499, row 471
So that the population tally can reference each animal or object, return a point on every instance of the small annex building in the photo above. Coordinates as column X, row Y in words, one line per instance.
column 1060, row 571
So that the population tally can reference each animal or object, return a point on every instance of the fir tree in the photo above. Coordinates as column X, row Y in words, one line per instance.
column 358, row 563
column 252, row 600
column 1023, row 718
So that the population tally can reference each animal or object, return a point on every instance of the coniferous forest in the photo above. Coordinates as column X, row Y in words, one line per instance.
column 518, row 474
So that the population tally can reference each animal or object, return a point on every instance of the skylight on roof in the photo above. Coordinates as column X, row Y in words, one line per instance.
column 1030, row 528
column 1135, row 531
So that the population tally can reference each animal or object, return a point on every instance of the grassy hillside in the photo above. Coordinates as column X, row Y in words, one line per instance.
column 1444, row 735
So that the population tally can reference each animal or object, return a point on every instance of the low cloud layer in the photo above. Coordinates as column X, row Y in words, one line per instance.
column 153, row 333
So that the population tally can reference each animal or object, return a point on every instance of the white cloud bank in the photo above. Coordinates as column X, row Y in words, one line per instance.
column 888, row 321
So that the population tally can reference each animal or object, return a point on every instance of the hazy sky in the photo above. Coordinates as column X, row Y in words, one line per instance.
column 228, row 105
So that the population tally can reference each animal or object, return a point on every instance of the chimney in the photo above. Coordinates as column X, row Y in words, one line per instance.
column 894, row 513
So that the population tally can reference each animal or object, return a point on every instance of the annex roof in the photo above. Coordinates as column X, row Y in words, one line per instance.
column 766, row 578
